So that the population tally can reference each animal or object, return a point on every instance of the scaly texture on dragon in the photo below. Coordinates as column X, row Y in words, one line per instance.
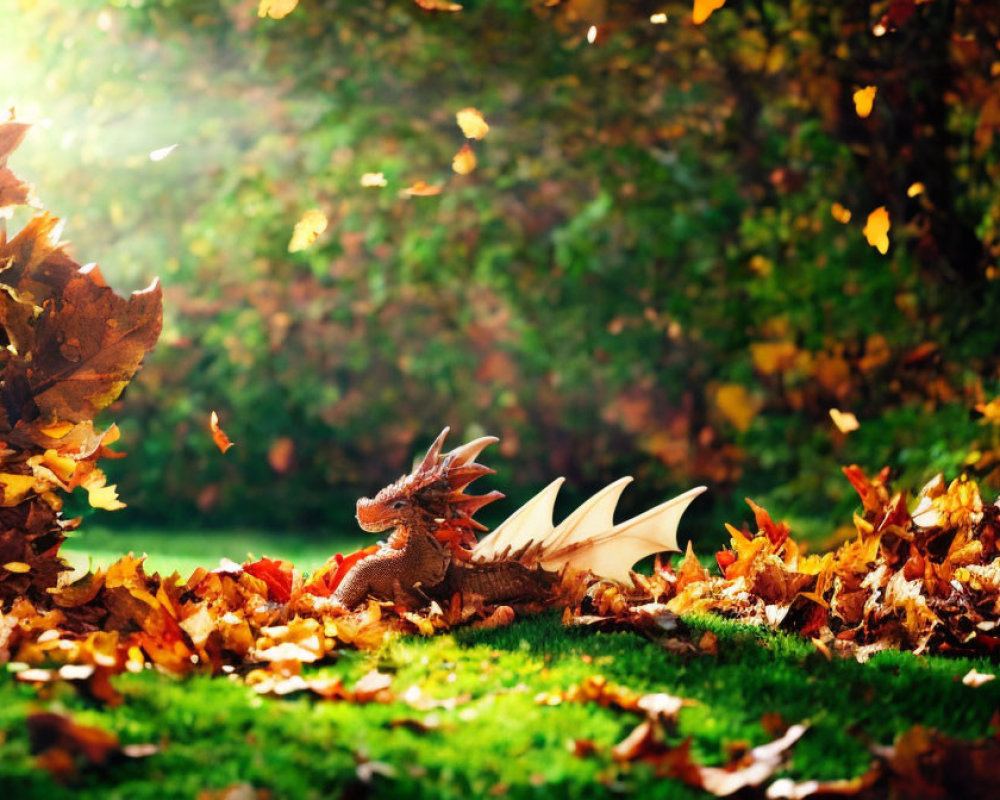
column 433, row 553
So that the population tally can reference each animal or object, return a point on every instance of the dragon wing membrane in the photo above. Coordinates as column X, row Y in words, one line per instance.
column 588, row 539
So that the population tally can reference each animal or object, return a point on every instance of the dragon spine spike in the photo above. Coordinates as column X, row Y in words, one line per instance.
column 522, row 528
column 433, row 452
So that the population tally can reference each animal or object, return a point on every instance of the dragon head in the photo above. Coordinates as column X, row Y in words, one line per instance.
column 434, row 493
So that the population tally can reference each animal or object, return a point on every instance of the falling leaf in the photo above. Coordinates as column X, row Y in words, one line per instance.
column 438, row 5
column 17, row 566
column 876, row 229
column 915, row 189
column 703, row 9
column 864, row 99
column 281, row 454
column 844, row 420
column 307, row 229
column 276, row 9
column 162, row 153
column 464, row 161
column 840, row 213
column 659, row 18
column 471, row 121
column 591, row 37
column 976, row 679
column 420, row 189
column 218, row 435
column 373, row 180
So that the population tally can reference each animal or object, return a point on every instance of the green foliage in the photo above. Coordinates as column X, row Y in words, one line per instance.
column 646, row 213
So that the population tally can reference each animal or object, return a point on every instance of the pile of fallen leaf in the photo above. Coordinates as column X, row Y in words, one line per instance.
column 925, row 581
column 68, row 347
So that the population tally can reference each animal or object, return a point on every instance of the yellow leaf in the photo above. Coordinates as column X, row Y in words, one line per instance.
column 737, row 405
column 373, row 180
column 105, row 497
column 16, row 487
column 17, row 566
column 659, row 18
column 420, row 189
column 703, row 9
column 464, row 161
column 311, row 225
column 844, row 420
column 915, row 189
column 276, row 9
column 839, row 213
column 57, row 430
column 876, row 229
column 471, row 121
column 864, row 99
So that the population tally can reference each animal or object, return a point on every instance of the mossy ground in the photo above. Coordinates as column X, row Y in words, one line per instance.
column 216, row 732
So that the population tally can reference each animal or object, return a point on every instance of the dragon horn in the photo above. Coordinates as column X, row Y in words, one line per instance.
column 469, row 452
column 430, row 460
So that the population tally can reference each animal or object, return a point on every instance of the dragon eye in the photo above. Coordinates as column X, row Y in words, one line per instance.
column 399, row 504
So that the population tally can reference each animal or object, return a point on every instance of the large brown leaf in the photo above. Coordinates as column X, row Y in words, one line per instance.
column 89, row 345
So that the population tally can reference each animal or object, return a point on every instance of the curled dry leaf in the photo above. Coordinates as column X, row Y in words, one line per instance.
column 471, row 121
column 218, row 435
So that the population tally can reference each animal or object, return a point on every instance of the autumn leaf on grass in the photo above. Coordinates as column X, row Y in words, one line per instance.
column 218, row 435
column 703, row 9
column 438, row 5
column 309, row 226
column 876, row 229
column 844, row 420
column 276, row 9
column 471, row 121
column 464, row 161
column 421, row 189
column 864, row 99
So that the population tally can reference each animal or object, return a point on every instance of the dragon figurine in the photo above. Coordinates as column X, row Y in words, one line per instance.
column 433, row 553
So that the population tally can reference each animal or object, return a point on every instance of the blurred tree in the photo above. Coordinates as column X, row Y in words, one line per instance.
column 656, row 267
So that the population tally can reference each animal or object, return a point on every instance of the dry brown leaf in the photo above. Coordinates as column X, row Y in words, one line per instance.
column 218, row 435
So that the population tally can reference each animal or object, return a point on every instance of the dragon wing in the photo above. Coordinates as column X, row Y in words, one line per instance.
column 587, row 539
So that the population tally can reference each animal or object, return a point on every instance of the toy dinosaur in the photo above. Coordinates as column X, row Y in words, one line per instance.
column 433, row 552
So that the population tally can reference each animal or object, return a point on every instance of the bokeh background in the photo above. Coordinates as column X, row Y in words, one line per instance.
column 646, row 274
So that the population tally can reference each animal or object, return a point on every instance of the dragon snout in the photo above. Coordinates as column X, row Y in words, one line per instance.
column 371, row 516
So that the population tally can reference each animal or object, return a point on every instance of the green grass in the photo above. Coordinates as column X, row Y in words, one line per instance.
column 216, row 732
column 185, row 549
